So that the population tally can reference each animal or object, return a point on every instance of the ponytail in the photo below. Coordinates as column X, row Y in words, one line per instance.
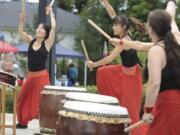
column 172, row 49
column 138, row 25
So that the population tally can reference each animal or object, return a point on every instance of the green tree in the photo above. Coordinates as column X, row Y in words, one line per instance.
column 70, row 4
column 66, row 4
column 79, row 4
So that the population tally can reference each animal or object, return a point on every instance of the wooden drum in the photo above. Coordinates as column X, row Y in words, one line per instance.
column 52, row 100
column 8, row 79
column 90, row 97
column 85, row 118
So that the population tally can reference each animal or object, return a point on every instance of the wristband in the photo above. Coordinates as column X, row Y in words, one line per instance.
column 148, row 109
column 121, row 42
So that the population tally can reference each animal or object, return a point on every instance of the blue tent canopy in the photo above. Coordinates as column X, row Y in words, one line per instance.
column 1, row 36
column 60, row 51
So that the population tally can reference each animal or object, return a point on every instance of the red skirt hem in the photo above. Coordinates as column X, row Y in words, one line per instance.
column 29, row 97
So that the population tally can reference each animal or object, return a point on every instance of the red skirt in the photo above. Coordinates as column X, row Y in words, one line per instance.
column 166, row 114
column 128, row 88
column 29, row 97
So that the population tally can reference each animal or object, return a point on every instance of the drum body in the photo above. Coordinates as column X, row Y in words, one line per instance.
column 52, row 100
column 82, row 118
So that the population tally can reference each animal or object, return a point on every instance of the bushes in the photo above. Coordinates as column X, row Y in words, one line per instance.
column 9, row 103
column 90, row 89
column 9, row 100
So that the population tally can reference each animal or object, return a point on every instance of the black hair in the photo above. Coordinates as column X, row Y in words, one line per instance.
column 160, row 21
column 122, row 20
column 71, row 65
column 47, row 29
column 138, row 25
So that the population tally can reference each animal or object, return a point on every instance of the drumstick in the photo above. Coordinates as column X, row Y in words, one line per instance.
column 136, row 125
column 99, row 29
column 24, row 7
column 51, row 4
column 85, row 51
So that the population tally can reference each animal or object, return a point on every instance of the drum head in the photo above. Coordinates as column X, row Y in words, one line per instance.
column 94, row 98
column 96, row 109
column 98, row 113
column 69, row 89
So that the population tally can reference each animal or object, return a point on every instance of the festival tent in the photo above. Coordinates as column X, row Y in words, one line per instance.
column 6, row 47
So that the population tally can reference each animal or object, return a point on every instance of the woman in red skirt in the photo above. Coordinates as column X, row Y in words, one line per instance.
column 37, row 77
column 162, row 105
column 121, row 81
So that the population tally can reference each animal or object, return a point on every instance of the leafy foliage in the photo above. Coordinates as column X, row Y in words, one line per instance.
column 70, row 4
column 65, row 4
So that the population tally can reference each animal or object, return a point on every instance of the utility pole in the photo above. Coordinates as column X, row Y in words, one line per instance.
column 42, row 18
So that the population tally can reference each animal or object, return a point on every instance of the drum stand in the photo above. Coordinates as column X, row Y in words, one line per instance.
column 3, row 110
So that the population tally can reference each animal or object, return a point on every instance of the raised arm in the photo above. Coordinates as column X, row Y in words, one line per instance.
column 50, row 40
column 24, row 36
column 109, row 9
column 171, row 9
column 137, row 45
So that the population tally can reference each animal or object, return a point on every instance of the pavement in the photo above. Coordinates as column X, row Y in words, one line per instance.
column 33, row 127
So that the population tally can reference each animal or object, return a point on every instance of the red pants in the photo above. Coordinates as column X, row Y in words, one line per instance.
column 29, row 97
column 166, row 114
column 112, row 81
